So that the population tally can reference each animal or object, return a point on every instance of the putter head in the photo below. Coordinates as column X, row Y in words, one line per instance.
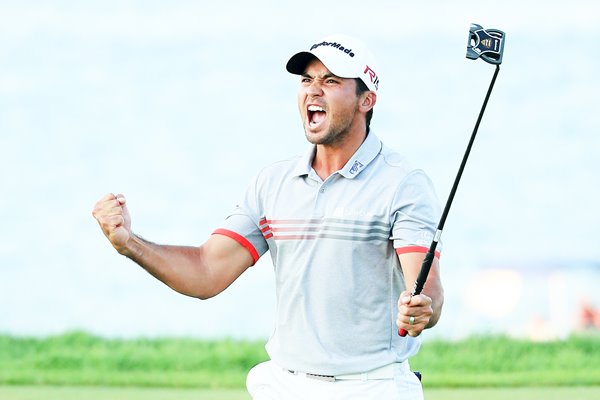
column 485, row 43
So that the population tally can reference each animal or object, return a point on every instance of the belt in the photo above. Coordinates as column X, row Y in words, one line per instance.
column 385, row 372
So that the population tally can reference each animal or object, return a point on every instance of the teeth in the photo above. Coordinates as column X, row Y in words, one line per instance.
column 315, row 108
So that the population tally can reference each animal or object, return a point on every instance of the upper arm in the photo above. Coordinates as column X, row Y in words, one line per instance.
column 225, row 260
column 415, row 212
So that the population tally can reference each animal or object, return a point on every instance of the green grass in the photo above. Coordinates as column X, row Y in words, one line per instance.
column 111, row 393
column 103, row 393
column 500, row 361
column 79, row 359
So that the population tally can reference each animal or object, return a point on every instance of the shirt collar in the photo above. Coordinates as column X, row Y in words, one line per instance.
column 366, row 153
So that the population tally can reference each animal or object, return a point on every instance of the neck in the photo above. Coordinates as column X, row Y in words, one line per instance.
column 332, row 157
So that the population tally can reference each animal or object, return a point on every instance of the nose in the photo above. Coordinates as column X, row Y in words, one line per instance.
column 314, row 89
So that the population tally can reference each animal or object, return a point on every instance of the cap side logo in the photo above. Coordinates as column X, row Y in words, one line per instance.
column 372, row 75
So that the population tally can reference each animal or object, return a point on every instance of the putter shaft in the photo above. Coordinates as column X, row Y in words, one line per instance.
column 428, row 260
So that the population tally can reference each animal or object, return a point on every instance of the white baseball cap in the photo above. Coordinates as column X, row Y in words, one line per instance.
column 344, row 56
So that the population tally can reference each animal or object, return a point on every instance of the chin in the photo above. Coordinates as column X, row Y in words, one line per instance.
column 313, row 139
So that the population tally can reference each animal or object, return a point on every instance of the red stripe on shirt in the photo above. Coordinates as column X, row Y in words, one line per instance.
column 241, row 240
column 415, row 249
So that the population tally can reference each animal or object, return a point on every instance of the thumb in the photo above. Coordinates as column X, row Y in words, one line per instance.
column 126, row 216
column 121, row 199
column 405, row 297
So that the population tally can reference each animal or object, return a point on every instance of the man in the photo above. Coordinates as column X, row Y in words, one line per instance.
column 347, row 226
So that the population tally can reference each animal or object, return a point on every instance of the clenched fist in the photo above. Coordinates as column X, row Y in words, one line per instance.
column 414, row 313
column 114, row 219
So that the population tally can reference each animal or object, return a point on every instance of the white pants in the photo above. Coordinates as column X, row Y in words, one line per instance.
column 268, row 381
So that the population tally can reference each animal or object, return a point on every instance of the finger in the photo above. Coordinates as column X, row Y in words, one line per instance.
column 414, row 332
column 405, row 327
column 110, row 223
column 107, row 200
column 123, row 204
column 414, row 326
column 420, row 300
column 107, row 197
column 110, row 201
column 107, row 209
column 101, row 202
column 115, row 221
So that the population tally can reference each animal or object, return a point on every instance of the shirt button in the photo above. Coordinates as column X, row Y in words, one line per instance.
column 322, row 190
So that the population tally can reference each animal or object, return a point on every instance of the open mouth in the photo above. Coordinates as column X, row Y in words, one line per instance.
column 315, row 115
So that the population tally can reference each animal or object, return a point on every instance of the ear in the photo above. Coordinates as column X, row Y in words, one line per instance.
column 368, row 100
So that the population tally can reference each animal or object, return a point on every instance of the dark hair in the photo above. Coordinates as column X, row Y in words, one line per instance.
column 361, row 87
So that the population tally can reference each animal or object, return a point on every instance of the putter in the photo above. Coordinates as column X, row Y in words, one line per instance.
column 487, row 44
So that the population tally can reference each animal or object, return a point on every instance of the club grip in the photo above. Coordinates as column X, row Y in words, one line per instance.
column 420, row 282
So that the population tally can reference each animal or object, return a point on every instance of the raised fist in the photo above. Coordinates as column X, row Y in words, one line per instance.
column 114, row 219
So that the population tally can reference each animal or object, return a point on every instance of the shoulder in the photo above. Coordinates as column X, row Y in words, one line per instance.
column 394, row 159
column 278, row 170
column 400, row 174
column 398, row 165
column 276, row 167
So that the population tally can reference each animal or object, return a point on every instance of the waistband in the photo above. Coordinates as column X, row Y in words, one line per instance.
column 385, row 372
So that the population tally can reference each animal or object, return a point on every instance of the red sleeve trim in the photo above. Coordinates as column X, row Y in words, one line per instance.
column 241, row 240
column 415, row 249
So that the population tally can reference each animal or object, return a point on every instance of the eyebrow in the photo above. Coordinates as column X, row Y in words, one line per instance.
column 324, row 76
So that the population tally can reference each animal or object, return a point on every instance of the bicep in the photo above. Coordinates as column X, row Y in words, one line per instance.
column 225, row 259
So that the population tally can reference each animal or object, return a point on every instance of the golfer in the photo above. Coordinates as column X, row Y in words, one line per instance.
column 347, row 226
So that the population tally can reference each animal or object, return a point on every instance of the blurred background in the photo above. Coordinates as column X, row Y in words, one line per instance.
column 178, row 104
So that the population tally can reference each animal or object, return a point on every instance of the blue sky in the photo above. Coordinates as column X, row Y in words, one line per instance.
column 177, row 105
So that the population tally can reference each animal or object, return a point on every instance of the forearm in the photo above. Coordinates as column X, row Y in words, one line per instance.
column 182, row 268
column 425, row 308
column 202, row 271
column 436, row 292
column 433, row 289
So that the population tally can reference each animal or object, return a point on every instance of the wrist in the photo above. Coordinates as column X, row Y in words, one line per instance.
column 132, row 248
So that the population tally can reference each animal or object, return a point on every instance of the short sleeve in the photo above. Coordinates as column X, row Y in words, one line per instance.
column 243, row 224
column 415, row 214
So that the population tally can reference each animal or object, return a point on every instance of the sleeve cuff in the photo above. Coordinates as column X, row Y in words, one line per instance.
column 241, row 240
column 415, row 249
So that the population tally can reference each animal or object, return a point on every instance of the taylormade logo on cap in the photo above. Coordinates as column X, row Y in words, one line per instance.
column 344, row 56
column 335, row 45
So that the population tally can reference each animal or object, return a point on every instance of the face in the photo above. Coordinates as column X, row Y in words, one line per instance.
column 328, row 104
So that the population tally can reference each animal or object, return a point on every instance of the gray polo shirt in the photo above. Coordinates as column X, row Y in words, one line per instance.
column 334, row 246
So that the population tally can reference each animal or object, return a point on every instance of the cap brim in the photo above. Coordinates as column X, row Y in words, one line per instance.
column 297, row 64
